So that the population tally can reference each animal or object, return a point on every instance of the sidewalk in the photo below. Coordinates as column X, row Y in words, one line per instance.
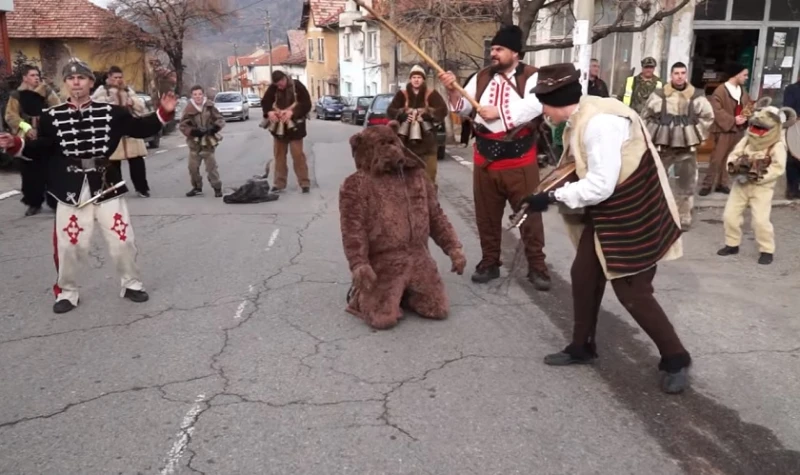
column 714, row 200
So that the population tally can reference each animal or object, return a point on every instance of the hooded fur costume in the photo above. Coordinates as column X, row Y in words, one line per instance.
column 388, row 210
column 755, row 164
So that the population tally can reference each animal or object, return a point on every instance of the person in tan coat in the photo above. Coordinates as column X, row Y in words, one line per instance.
column 678, row 118
column 417, row 102
column 116, row 92
column 201, row 123
column 620, row 213
column 731, row 105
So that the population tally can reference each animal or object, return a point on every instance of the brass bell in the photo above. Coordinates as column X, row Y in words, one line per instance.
column 403, row 129
column 677, row 138
column 427, row 126
column 662, row 136
column 692, row 137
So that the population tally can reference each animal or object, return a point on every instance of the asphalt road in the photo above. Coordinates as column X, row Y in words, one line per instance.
column 244, row 361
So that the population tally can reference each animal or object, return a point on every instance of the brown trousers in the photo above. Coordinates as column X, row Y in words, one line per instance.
column 717, row 173
column 491, row 189
column 280, row 149
column 635, row 293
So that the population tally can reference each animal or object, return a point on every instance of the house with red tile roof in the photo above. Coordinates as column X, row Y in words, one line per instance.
column 49, row 32
column 295, row 64
column 252, row 73
column 319, row 20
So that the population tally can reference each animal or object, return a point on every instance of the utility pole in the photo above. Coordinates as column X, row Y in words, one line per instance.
column 269, row 42
column 236, row 60
column 221, row 77
column 393, row 61
column 582, row 40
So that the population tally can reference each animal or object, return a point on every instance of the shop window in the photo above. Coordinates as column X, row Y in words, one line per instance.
column 785, row 10
column 712, row 10
column 752, row 10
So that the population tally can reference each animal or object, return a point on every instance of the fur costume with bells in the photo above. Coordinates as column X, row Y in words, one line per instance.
column 755, row 164
column 388, row 210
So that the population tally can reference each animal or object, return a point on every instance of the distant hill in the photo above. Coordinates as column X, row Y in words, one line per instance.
column 248, row 29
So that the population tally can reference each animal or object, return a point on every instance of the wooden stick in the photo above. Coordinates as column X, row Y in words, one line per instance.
column 420, row 52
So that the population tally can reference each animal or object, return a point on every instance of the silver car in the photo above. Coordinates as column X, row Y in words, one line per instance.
column 253, row 100
column 232, row 105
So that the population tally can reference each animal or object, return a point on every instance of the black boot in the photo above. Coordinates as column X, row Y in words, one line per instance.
column 217, row 192
column 705, row 191
column 540, row 280
column 32, row 210
column 484, row 275
column 63, row 306
column 137, row 296
column 765, row 258
column 194, row 192
column 306, row 189
column 572, row 354
column 728, row 251
column 676, row 373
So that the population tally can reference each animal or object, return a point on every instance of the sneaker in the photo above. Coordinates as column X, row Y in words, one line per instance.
column 217, row 192
column 137, row 296
column 570, row 356
column 275, row 189
column 675, row 383
column 195, row 192
column 728, row 251
column 765, row 259
column 306, row 189
column 705, row 191
column 143, row 194
column 482, row 276
column 63, row 306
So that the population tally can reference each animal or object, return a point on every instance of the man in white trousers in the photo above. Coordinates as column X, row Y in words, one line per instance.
column 77, row 138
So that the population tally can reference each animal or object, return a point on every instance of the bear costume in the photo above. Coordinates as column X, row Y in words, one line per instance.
column 388, row 209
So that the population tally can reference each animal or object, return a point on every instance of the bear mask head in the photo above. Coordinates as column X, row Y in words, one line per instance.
column 379, row 151
column 767, row 122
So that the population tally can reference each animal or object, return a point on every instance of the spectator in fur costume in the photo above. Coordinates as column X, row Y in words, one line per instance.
column 388, row 211
column 755, row 164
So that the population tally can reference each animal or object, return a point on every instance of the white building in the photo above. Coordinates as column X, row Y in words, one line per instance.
column 706, row 36
column 361, row 70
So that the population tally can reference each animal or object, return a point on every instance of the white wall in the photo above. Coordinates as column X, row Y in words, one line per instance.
column 358, row 72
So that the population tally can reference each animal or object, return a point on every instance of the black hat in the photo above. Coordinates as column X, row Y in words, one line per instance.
column 558, row 85
column 734, row 69
column 509, row 36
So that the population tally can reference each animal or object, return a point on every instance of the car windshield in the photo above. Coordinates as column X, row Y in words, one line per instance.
column 364, row 101
column 228, row 98
column 381, row 103
column 253, row 97
column 333, row 100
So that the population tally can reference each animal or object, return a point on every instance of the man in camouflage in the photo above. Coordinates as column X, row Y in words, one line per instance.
column 638, row 88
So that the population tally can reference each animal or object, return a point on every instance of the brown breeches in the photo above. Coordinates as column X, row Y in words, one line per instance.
column 635, row 293
column 280, row 149
column 492, row 188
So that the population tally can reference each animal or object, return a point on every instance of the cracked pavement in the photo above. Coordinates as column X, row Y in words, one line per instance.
column 244, row 361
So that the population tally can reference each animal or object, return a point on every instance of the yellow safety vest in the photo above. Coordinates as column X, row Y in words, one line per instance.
column 629, row 90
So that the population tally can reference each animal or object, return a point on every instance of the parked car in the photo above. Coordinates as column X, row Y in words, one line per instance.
column 329, row 107
column 376, row 115
column 155, row 140
column 232, row 105
column 354, row 112
column 254, row 100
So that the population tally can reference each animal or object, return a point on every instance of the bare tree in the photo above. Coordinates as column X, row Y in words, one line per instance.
column 531, row 11
column 201, row 67
column 164, row 25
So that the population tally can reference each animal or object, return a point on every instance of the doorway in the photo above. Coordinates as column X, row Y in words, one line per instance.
column 715, row 49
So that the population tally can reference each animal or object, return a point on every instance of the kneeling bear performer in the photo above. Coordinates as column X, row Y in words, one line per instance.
column 388, row 209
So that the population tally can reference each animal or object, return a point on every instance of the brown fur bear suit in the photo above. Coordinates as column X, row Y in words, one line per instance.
column 388, row 209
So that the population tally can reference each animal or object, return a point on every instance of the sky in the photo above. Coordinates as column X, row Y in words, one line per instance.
column 102, row 3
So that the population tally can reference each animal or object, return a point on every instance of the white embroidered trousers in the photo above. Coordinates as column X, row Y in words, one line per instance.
column 72, row 238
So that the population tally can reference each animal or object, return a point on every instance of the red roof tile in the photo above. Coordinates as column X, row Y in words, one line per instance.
column 279, row 53
column 325, row 12
column 57, row 19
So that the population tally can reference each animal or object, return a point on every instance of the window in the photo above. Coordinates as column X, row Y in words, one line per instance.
column 321, row 50
column 711, row 10
column 348, row 88
column 374, row 87
column 346, row 46
column 310, row 49
column 784, row 10
column 748, row 9
column 372, row 45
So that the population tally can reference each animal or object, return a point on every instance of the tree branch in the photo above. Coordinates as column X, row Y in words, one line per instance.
column 615, row 27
